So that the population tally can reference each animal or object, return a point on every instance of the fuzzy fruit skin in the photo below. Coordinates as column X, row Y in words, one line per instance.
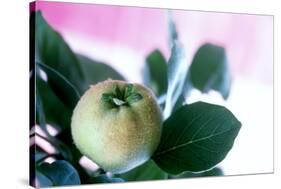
column 117, row 139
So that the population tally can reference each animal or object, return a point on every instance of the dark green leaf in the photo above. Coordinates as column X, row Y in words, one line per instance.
column 40, row 155
column 104, row 179
column 146, row 171
column 46, row 108
column 95, row 72
column 209, row 70
column 63, row 149
column 155, row 72
column 43, row 180
column 66, row 92
column 213, row 172
column 51, row 49
column 46, row 112
column 60, row 173
column 76, row 156
column 40, row 118
column 55, row 112
column 196, row 137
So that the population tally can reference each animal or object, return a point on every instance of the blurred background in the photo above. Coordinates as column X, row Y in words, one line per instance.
column 124, row 36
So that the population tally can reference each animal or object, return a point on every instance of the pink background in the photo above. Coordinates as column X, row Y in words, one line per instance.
column 247, row 38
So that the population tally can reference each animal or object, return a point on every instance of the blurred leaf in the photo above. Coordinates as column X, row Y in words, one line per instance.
column 63, row 149
column 40, row 112
column 155, row 72
column 146, row 171
column 60, row 173
column 40, row 155
column 66, row 92
column 46, row 111
column 177, row 67
column 43, row 180
column 76, row 154
column 55, row 112
column 209, row 70
column 95, row 72
column 196, row 137
column 104, row 179
column 173, row 34
column 51, row 49
column 66, row 137
column 177, row 70
column 213, row 172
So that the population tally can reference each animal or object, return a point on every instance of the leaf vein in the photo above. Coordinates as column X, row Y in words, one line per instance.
column 192, row 141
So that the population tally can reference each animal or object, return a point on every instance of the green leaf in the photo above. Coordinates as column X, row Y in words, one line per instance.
column 209, row 70
column 47, row 111
column 54, row 111
column 60, row 173
column 146, row 171
column 196, row 138
column 63, row 149
column 104, row 179
column 40, row 118
column 40, row 155
column 155, row 72
column 43, row 180
column 51, row 49
column 66, row 92
column 213, row 172
column 95, row 71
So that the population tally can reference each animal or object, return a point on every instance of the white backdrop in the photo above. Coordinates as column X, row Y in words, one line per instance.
column 14, row 92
